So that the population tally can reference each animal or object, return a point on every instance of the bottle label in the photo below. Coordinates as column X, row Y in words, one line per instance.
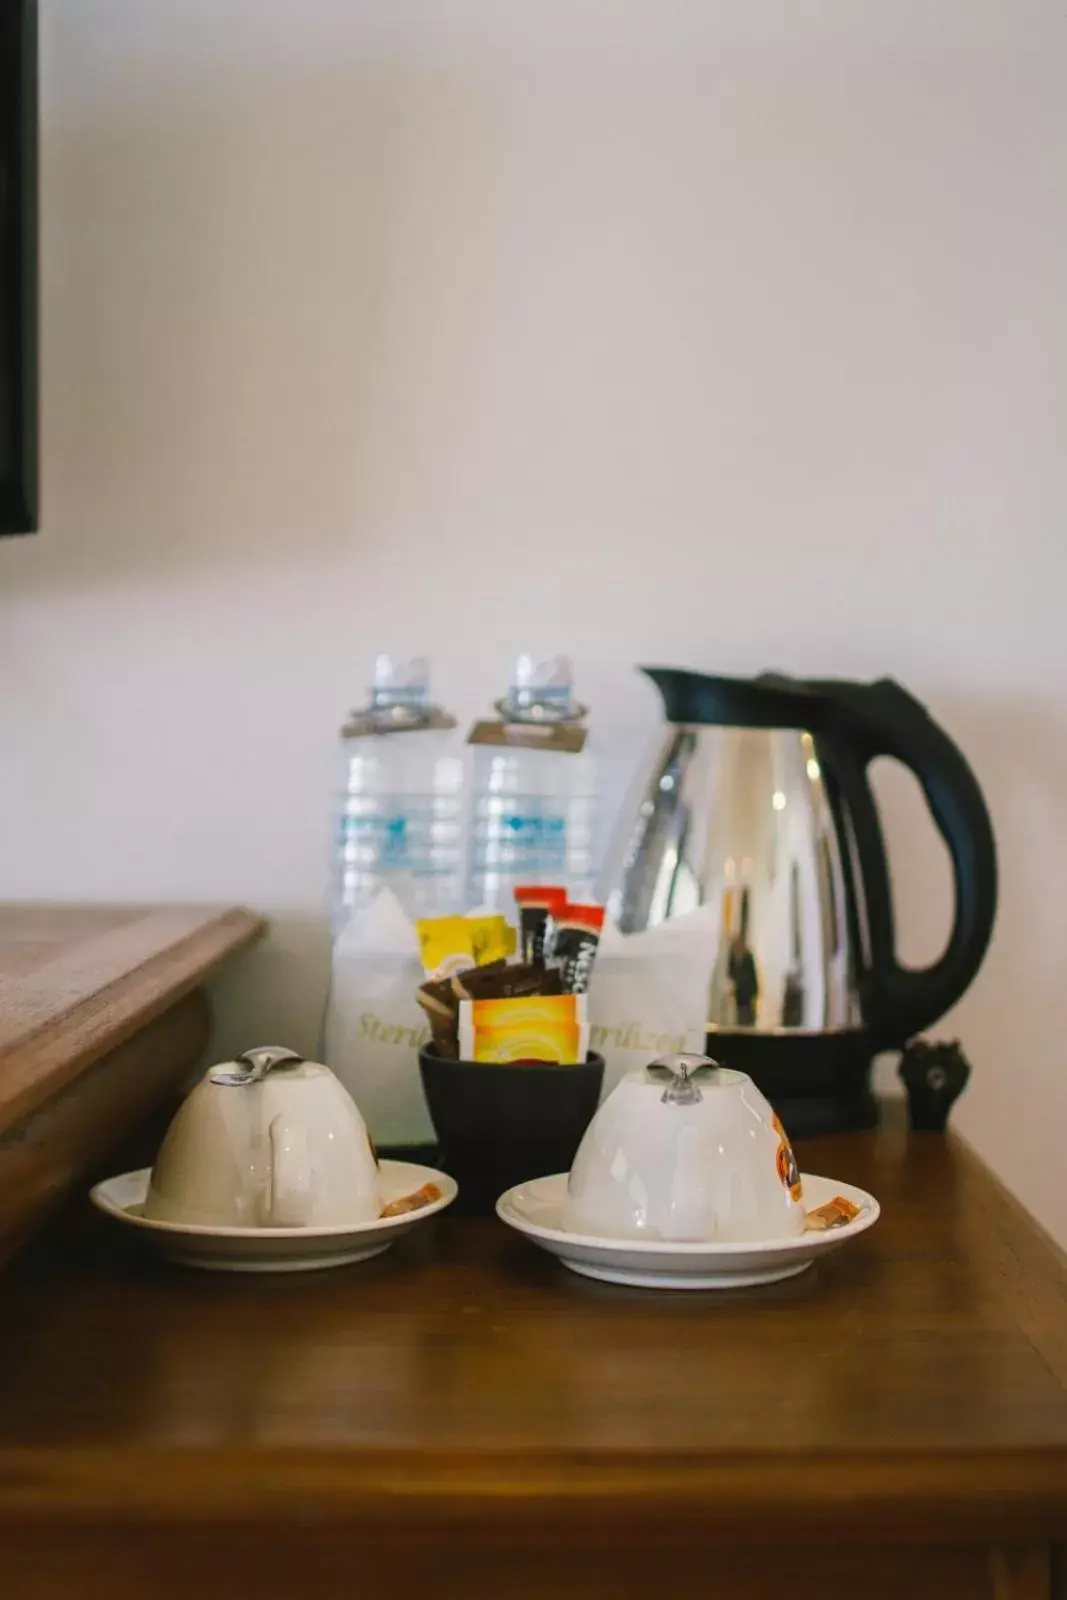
column 394, row 842
column 385, row 837
column 395, row 845
column 536, row 840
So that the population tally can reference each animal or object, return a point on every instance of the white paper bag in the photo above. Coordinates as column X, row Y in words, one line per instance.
column 649, row 991
column 374, row 1025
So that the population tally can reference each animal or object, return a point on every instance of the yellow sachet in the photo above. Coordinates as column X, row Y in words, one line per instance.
column 492, row 939
column 545, row 1027
column 446, row 945
column 449, row 945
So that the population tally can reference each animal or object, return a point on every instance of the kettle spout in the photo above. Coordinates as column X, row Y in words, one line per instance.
column 700, row 698
column 688, row 696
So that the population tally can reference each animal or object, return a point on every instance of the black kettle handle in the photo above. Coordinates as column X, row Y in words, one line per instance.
column 882, row 719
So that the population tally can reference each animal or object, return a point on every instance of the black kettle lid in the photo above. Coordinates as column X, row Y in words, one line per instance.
column 770, row 701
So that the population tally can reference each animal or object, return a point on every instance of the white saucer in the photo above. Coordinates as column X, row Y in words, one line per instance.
column 275, row 1249
column 536, row 1210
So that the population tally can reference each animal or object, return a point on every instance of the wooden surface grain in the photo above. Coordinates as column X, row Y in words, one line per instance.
column 911, row 1389
column 70, row 1136
column 334, row 1564
column 101, row 1014
column 78, row 981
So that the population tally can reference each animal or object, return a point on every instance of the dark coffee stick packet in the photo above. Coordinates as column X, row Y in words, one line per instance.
column 539, row 905
column 575, row 947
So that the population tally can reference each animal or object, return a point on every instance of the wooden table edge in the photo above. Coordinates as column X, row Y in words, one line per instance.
column 48, row 1060
column 1023, row 1222
column 1008, row 1497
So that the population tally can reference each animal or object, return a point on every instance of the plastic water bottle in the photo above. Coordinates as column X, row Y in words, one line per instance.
column 533, row 801
column 400, row 811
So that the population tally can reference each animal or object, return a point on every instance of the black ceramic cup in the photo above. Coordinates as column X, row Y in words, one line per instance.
column 500, row 1124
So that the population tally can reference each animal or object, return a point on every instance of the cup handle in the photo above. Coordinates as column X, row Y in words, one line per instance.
column 290, row 1175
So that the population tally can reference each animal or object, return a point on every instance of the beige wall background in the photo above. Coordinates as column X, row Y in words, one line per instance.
column 721, row 333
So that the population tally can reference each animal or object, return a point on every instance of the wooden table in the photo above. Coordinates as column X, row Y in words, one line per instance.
column 462, row 1417
column 102, row 1012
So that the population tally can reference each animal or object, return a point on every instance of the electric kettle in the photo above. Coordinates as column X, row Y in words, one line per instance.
column 758, row 802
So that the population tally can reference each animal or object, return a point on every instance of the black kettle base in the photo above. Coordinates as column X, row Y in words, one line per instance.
column 805, row 1118
column 817, row 1082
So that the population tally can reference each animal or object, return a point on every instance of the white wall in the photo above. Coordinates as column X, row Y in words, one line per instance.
column 711, row 332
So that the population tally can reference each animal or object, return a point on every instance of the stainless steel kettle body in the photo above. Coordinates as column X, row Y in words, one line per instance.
column 757, row 803
column 739, row 818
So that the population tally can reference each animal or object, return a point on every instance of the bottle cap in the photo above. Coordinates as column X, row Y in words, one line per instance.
column 397, row 682
column 541, row 691
column 399, row 700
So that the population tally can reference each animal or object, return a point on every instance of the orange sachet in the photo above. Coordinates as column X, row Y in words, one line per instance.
column 536, row 1027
